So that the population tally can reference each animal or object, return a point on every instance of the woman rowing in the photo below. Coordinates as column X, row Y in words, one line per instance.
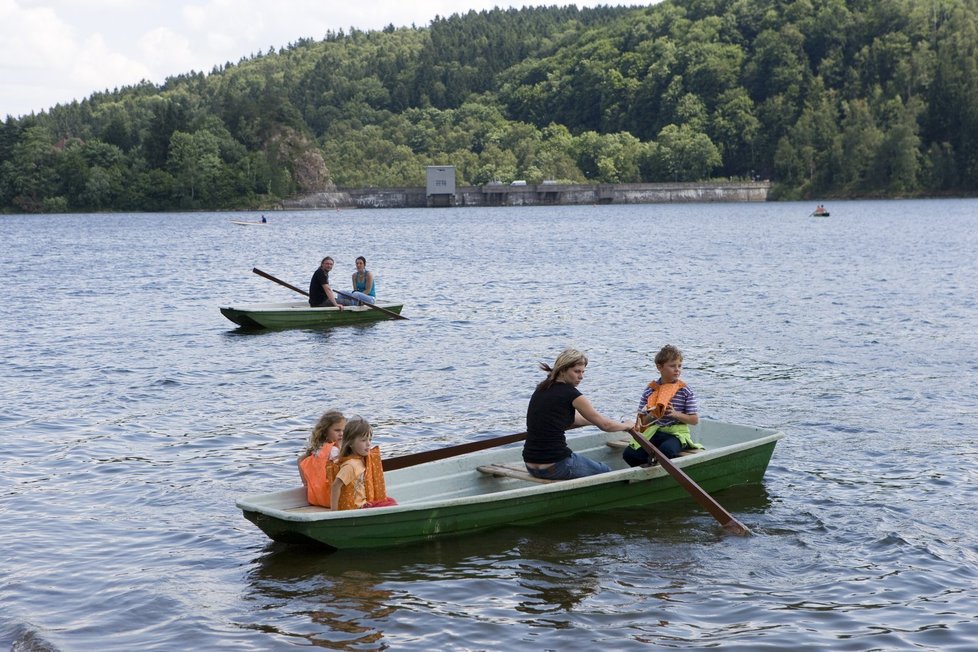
column 556, row 406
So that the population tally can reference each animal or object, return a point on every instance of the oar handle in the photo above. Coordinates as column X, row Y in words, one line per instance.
column 716, row 510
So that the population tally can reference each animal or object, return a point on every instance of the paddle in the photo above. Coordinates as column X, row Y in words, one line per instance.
column 722, row 516
column 370, row 305
column 414, row 459
column 451, row 451
column 304, row 293
column 272, row 278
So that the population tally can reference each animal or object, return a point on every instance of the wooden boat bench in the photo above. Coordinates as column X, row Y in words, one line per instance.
column 517, row 471
column 622, row 443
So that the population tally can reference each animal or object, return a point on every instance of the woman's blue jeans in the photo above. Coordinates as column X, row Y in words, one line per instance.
column 575, row 466
column 353, row 298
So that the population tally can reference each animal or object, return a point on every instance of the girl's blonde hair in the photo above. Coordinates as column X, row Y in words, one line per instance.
column 318, row 436
column 568, row 358
column 356, row 428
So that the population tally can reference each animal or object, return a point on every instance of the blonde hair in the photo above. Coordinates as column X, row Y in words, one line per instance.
column 356, row 428
column 568, row 358
column 668, row 353
column 318, row 436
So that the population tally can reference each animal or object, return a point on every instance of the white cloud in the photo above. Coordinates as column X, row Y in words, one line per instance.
column 167, row 52
column 32, row 38
column 56, row 51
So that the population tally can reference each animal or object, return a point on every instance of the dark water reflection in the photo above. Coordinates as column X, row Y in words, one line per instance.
column 134, row 415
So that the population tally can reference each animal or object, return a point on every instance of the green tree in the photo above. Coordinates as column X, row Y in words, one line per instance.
column 30, row 171
column 682, row 154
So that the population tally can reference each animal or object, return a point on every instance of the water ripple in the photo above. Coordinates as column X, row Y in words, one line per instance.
column 130, row 428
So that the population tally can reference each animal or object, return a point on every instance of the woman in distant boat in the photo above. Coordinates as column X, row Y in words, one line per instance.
column 359, row 478
column 556, row 406
column 666, row 411
column 322, row 449
column 364, row 289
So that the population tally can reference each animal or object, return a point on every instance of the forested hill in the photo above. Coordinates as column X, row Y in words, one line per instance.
column 824, row 97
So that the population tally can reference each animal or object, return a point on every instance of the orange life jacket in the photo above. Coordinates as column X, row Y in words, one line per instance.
column 662, row 394
column 374, row 490
column 314, row 470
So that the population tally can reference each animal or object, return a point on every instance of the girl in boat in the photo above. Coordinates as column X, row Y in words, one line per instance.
column 359, row 475
column 322, row 449
column 666, row 411
column 364, row 289
column 557, row 405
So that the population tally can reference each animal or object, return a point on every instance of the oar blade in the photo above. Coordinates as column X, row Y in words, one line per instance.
column 736, row 527
column 716, row 510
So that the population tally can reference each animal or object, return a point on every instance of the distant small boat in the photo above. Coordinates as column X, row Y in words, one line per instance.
column 820, row 212
column 247, row 223
column 298, row 314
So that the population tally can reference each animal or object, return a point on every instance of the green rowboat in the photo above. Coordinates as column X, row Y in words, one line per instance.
column 298, row 314
column 486, row 489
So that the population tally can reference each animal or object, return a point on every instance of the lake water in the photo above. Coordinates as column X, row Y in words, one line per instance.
column 134, row 415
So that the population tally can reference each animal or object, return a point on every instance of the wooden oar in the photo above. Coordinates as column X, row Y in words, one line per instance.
column 451, row 451
column 306, row 294
column 279, row 281
column 370, row 305
column 722, row 516
column 414, row 459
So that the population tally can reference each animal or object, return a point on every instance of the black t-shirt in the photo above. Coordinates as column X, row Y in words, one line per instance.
column 549, row 414
column 317, row 296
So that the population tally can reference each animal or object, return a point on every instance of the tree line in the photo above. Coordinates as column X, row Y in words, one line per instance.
column 824, row 97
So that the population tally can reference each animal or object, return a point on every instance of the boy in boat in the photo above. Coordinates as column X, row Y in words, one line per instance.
column 359, row 474
column 666, row 411
column 322, row 449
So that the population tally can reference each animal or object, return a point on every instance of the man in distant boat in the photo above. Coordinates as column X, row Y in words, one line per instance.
column 320, row 293
column 263, row 220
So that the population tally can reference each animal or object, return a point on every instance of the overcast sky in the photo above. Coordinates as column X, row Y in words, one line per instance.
column 56, row 51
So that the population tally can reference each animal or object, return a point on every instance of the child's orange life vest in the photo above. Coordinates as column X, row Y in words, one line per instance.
column 374, row 492
column 662, row 394
column 316, row 475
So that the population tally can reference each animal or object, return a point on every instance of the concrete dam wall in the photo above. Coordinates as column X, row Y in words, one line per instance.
column 542, row 194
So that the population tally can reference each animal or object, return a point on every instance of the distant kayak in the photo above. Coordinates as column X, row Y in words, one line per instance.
column 247, row 223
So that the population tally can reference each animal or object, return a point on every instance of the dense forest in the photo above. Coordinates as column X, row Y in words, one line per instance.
column 823, row 97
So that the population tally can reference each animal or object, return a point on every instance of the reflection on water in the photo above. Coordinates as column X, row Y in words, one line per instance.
column 134, row 414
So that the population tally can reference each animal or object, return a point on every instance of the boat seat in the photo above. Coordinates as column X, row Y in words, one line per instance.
column 308, row 508
column 517, row 471
column 622, row 443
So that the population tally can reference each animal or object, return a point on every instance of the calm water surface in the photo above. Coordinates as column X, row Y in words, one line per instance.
column 133, row 415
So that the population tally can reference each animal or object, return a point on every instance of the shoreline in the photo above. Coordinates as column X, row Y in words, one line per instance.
column 542, row 194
